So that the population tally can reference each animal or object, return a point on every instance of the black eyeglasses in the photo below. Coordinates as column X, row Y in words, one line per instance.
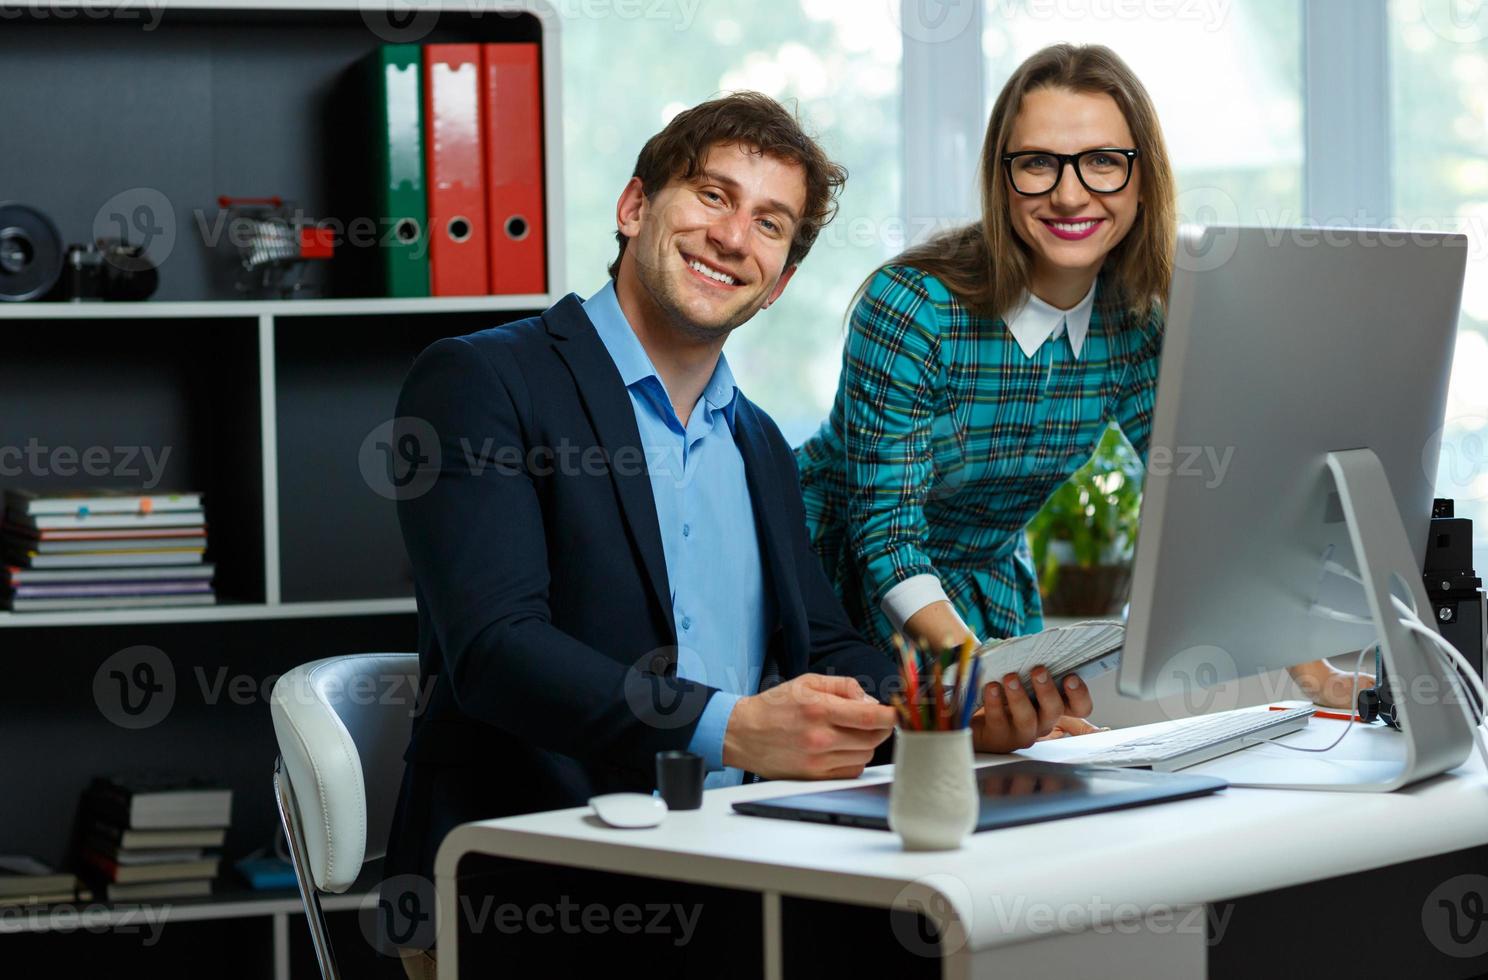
column 1106, row 170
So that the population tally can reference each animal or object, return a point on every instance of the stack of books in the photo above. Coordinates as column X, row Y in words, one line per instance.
column 147, row 836
column 102, row 549
column 26, row 881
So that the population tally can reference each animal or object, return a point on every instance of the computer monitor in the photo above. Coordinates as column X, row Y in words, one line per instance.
column 1299, row 410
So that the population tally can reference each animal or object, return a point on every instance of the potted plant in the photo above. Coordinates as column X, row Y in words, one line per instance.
column 1082, row 540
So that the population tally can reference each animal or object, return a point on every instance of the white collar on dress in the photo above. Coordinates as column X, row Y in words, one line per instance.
column 1035, row 321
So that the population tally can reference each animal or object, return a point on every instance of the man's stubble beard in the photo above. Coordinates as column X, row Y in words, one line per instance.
column 664, row 295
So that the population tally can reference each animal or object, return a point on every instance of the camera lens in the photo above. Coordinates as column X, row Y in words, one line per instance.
column 16, row 250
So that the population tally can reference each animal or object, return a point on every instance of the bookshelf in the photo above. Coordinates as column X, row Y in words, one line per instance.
column 263, row 404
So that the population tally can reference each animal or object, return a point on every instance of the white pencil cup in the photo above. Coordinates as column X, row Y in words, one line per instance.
column 933, row 801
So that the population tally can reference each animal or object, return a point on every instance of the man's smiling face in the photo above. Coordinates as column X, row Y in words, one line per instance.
column 709, row 251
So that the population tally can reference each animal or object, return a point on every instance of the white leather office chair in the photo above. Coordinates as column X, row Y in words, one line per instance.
column 342, row 724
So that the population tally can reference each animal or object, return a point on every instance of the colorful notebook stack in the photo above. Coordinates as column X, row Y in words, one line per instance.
column 152, row 836
column 446, row 154
column 102, row 549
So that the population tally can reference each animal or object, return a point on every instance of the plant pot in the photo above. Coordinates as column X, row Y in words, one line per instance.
column 933, row 800
column 1098, row 591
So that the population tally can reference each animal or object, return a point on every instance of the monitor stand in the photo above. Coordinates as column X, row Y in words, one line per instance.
column 1436, row 735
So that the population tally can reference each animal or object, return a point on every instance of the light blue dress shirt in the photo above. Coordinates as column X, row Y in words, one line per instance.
column 719, row 601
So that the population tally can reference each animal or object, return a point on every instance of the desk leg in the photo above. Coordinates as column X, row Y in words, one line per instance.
column 281, row 946
column 774, row 949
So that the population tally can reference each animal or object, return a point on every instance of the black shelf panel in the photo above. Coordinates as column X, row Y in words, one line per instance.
column 189, row 105
column 171, row 949
column 161, row 405
column 59, row 711
column 337, row 380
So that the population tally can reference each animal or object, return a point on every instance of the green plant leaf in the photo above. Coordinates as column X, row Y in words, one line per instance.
column 1096, row 510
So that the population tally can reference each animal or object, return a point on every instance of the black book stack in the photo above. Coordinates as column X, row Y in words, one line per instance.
column 26, row 881
column 152, row 836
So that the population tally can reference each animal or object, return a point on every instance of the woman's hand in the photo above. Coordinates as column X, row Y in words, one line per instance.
column 1070, row 725
column 1009, row 720
column 938, row 626
column 1327, row 685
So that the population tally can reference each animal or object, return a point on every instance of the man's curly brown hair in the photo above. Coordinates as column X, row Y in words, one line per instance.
column 753, row 120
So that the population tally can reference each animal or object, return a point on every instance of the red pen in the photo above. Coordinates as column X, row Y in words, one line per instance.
column 1322, row 714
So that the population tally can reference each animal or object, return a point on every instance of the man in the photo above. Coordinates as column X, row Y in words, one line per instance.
column 612, row 560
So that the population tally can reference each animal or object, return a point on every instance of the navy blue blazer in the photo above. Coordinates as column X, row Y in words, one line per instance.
column 545, row 617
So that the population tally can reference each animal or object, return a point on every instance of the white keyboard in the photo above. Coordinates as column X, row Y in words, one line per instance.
column 1198, row 740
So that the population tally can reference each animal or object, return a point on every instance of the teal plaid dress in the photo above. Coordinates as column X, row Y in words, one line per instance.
column 945, row 439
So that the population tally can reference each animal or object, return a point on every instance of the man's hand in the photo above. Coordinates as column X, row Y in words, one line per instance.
column 812, row 727
column 1008, row 720
column 1327, row 685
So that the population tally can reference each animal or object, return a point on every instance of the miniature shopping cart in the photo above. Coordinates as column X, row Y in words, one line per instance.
column 275, row 245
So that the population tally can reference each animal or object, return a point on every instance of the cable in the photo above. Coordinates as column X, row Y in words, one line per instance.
column 1412, row 622
column 1459, row 663
column 1353, row 698
column 1410, row 618
column 1461, row 668
column 1466, row 680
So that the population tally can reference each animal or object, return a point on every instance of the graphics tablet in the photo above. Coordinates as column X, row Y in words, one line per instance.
column 1011, row 794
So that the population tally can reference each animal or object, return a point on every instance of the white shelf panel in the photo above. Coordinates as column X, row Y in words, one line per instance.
column 226, row 612
column 252, row 309
column 93, row 916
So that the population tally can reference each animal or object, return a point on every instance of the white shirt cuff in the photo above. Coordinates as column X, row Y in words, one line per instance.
column 909, row 597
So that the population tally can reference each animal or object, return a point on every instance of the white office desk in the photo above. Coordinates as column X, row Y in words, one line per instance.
column 1114, row 894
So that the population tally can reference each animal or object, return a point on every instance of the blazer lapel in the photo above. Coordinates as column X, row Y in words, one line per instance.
column 764, row 494
column 608, row 406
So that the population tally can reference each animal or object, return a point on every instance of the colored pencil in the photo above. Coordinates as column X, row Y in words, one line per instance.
column 903, row 711
column 961, row 670
column 942, row 716
column 926, row 695
column 907, row 672
column 969, row 703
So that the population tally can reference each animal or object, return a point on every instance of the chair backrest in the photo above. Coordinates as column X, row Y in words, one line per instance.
column 343, row 725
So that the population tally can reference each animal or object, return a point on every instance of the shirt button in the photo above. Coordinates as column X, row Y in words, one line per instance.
column 687, row 622
column 687, row 530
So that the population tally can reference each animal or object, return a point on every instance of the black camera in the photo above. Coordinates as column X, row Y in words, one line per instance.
column 1457, row 602
column 108, row 269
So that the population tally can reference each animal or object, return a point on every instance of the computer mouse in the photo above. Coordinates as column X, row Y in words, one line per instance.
column 629, row 810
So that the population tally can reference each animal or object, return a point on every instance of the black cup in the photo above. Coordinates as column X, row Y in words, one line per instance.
column 679, row 776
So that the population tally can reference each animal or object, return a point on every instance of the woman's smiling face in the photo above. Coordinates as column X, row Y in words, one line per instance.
column 1070, row 231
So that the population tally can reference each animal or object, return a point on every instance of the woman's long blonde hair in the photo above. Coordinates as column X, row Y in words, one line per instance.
column 988, row 267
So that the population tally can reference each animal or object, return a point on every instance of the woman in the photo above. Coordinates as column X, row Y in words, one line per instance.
column 983, row 366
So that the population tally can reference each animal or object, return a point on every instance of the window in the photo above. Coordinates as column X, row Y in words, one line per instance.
column 1439, row 73
column 1226, row 80
column 628, row 68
